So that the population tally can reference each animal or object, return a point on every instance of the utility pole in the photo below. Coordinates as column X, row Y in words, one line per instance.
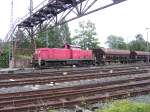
column 33, row 46
column 47, row 43
column 31, row 7
column 11, row 53
column 147, row 46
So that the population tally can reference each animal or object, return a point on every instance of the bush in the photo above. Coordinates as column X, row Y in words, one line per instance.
column 4, row 58
column 126, row 106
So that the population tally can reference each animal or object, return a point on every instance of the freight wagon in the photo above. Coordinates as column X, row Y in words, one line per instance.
column 107, row 55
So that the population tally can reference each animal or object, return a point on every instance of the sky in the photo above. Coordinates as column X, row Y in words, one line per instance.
column 125, row 19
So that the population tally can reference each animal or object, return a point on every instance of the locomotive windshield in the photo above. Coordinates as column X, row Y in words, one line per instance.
column 67, row 46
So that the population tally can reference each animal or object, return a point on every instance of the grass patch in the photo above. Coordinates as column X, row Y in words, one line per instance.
column 126, row 106
column 24, row 56
column 51, row 110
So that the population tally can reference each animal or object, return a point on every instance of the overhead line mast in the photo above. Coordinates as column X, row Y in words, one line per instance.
column 31, row 32
column 11, row 53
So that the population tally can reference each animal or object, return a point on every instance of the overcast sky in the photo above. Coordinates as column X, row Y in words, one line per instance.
column 126, row 19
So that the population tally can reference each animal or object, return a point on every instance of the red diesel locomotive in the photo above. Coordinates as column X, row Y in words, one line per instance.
column 69, row 55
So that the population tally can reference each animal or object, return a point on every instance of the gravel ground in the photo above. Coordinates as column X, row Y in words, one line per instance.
column 141, row 99
column 74, row 110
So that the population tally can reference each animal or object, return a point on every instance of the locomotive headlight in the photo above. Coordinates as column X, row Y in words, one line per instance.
column 37, row 52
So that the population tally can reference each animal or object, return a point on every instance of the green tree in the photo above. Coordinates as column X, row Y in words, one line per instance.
column 57, row 36
column 116, row 42
column 53, row 39
column 138, row 44
column 4, row 57
column 1, row 43
column 65, row 33
column 22, row 40
column 85, row 35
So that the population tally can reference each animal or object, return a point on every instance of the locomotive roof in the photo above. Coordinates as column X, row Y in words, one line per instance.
column 114, row 51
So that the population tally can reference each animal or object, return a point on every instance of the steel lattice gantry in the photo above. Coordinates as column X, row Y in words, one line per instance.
column 49, row 11
column 55, row 11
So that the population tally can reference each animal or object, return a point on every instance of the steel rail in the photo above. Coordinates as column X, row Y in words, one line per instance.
column 39, row 93
column 139, row 82
column 61, row 73
column 70, row 71
column 78, row 101
column 46, row 80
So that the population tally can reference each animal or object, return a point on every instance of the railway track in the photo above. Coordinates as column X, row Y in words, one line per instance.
column 68, row 97
column 35, row 100
column 64, row 73
column 95, row 67
column 58, row 79
column 50, row 92
column 76, row 70
column 38, row 92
